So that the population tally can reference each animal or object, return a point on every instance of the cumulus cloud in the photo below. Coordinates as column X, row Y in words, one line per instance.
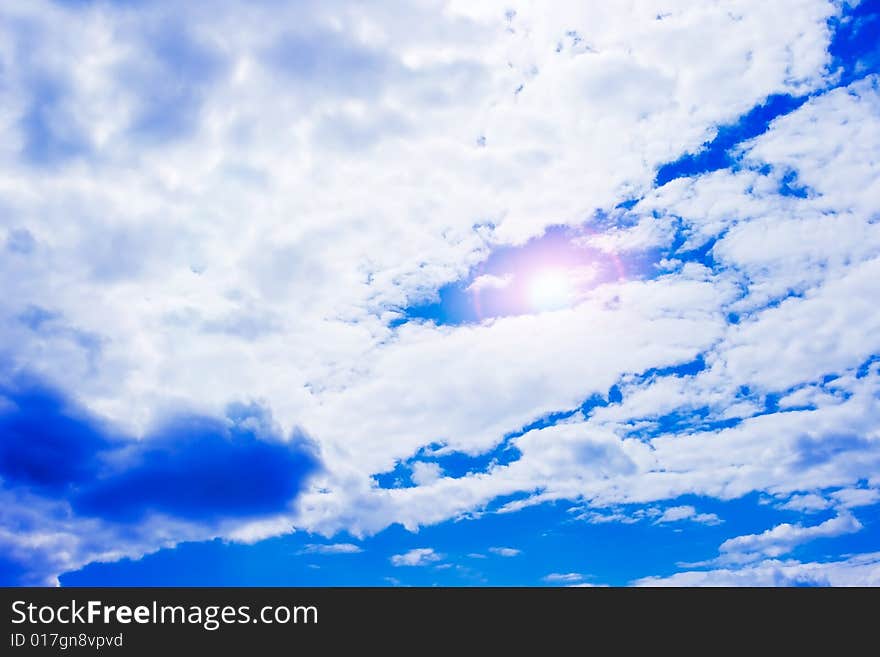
column 416, row 557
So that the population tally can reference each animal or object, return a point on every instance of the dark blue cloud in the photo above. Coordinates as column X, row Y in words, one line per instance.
column 46, row 444
column 200, row 468
column 193, row 467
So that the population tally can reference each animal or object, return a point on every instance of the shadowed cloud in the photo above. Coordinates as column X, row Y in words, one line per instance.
column 191, row 467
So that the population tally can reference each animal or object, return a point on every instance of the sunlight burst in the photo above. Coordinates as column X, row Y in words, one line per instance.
column 550, row 290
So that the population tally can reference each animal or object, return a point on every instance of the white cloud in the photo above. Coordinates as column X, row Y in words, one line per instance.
column 490, row 282
column 563, row 578
column 850, row 498
column 416, row 557
column 332, row 548
column 588, row 459
column 505, row 551
column 808, row 503
column 649, row 513
column 859, row 570
column 649, row 232
column 687, row 512
column 676, row 513
column 424, row 473
column 808, row 396
column 784, row 538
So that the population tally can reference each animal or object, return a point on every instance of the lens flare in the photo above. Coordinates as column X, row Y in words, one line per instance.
column 552, row 272
column 550, row 289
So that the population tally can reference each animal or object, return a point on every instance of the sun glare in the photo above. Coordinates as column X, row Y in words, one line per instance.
column 549, row 290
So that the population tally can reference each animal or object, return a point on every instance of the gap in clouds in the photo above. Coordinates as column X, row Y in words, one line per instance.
column 513, row 269
column 455, row 464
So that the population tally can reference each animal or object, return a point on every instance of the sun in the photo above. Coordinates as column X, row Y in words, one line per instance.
column 549, row 289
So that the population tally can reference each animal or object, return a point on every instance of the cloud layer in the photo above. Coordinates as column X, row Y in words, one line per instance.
column 216, row 226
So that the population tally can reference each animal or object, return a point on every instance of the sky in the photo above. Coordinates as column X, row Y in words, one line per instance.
column 439, row 293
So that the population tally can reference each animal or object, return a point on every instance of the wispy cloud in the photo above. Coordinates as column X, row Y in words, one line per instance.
column 332, row 548
column 505, row 551
column 416, row 557
column 563, row 578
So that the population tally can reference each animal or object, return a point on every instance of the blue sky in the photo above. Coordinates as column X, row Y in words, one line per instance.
column 333, row 294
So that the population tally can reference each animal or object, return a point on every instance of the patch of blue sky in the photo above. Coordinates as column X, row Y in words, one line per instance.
column 701, row 419
column 511, row 266
column 327, row 62
column 855, row 48
column 171, row 85
column 20, row 241
column 451, row 463
column 718, row 153
column 790, row 186
column 459, row 464
column 51, row 136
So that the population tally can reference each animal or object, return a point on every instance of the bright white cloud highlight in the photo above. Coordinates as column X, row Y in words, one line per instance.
column 549, row 289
